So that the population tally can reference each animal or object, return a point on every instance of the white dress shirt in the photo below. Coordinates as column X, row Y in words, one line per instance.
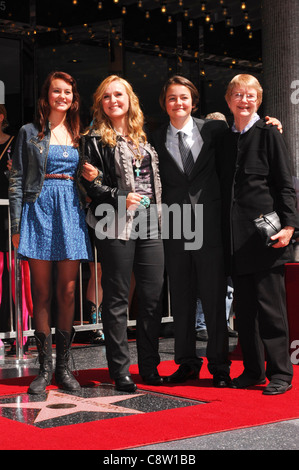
column 192, row 137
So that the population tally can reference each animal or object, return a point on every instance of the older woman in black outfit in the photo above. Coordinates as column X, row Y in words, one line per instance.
column 121, row 174
column 255, row 176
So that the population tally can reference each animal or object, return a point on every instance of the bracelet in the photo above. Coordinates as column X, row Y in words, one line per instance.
column 145, row 201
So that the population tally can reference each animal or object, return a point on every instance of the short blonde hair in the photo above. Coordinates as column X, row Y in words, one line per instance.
column 245, row 80
column 102, row 123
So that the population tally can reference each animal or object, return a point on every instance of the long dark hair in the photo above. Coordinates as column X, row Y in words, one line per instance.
column 73, row 123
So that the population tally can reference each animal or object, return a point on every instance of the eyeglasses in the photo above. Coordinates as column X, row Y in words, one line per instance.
column 248, row 96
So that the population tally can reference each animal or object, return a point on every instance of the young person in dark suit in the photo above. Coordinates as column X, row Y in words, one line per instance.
column 193, row 270
column 255, row 175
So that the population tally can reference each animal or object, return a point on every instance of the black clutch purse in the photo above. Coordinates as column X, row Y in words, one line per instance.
column 268, row 225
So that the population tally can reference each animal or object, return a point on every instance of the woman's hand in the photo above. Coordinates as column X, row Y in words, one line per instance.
column 132, row 201
column 9, row 164
column 16, row 240
column 89, row 172
column 283, row 237
column 274, row 122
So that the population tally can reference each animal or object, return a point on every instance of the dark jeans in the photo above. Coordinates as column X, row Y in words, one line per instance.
column 118, row 259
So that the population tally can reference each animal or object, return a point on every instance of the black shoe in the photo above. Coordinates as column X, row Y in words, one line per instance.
column 202, row 335
column 244, row 381
column 97, row 337
column 185, row 372
column 277, row 387
column 232, row 333
column 153, row 379
column 125, row 384
column 221, row 380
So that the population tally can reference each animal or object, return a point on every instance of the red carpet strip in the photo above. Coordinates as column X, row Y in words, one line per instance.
column 224, row 410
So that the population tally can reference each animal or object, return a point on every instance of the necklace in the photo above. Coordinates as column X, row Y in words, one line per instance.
column 137, row 160
column 121, row 135
column 64, row 147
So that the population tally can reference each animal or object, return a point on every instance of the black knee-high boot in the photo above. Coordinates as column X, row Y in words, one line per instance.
column 63, row 376
column 44, row 348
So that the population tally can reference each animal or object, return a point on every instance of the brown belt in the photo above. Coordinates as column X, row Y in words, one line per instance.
column 58, row 176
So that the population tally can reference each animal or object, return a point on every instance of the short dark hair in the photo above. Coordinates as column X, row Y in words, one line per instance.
column 179, row 80
column 4, row 113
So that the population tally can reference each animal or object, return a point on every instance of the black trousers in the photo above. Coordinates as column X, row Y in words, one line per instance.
column 261, row 316
column 193, row 274
column 118, row 259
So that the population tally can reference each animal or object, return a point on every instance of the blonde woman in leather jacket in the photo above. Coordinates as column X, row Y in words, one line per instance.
column 121, row 176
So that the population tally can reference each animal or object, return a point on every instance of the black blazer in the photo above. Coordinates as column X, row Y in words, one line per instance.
column 201, row 187
column 256, row 178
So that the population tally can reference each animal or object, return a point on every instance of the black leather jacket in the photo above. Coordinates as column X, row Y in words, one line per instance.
column 104, row 187
column 111, row 182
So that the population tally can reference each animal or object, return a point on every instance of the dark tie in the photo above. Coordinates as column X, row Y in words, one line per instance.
column 186, row 154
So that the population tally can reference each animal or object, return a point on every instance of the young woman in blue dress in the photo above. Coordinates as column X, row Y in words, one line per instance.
column 48, row 220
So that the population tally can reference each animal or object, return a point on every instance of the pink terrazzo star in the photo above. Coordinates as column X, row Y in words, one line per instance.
column 60, row 404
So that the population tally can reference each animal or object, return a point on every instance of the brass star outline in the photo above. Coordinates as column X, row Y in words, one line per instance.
column 60, row 404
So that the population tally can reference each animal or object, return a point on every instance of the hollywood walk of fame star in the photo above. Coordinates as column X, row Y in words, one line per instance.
column 60, row 404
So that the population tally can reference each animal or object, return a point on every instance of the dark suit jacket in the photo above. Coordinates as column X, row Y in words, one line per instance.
column 256, row 178
column 201, row 187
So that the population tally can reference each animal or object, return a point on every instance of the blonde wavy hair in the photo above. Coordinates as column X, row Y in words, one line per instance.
column 102, row 123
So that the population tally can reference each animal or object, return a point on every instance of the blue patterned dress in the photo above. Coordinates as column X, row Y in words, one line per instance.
column 53, row 227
